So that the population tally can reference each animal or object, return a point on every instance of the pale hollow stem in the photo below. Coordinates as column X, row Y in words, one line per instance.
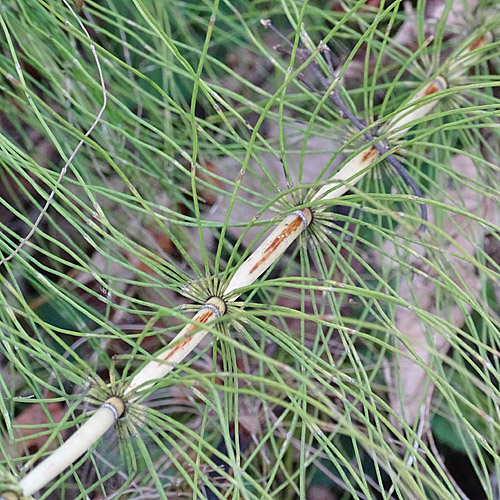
column 285, row 233
column 414, row 109
column 348, row 175
column 192, row 334
column 262, row 258
column 74, row 447
column 468, row 58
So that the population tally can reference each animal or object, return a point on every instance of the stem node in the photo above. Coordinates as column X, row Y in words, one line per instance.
column 9, row 495
column 217, row 305
column 116, row 405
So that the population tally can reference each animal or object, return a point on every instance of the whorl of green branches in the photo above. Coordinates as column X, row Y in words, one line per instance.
column 148, row 148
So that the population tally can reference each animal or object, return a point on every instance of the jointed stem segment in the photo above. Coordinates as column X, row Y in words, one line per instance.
column 192, row 334
column 412, row 113
column 350, row 174
column 270, row 250
column 262, row 258
column 188, row 338
column 185, row 341
column 74, row 447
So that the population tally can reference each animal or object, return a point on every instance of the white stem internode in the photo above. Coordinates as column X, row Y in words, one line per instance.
column 74, row 447
column 348, row 175
column 184, row 342
column 193, row 333
column 414, row 109
column 469, row 56
column 353, row 171
column 270, row 250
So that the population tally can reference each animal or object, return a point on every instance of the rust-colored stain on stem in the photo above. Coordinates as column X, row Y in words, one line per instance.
column 431, row 89
column 479, row 42
column 203, row 318
column 292, row 227
column 174, row 349
column 369, row 155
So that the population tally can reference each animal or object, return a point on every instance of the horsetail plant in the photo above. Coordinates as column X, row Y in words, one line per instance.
column 274, row 246
column 120, row 402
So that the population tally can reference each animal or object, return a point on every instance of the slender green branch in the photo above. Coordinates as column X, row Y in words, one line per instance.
column 292, row 225
column 74, row 447
column 71, row 157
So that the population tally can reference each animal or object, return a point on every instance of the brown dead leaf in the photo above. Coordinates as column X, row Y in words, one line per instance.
column 320, row 493
column 254, row 184
column 409, row 380
column 208, row 195
column 36, row 415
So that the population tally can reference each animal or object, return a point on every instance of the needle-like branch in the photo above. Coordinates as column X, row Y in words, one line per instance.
column 345, row 112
